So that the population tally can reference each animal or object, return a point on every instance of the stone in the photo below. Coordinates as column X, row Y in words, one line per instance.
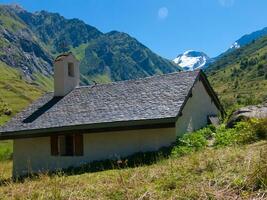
column 248, row 112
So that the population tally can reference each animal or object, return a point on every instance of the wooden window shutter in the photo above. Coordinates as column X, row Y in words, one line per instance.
column 78, row 139
column 54, row 145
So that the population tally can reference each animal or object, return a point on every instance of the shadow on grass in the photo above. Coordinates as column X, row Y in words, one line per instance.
column 135, row 160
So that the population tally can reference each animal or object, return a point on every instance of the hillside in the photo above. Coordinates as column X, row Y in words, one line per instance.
column 195, row 169
column 240, row 77
column 15, row 93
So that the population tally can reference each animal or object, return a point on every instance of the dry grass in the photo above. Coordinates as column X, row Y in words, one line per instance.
column 225, row 173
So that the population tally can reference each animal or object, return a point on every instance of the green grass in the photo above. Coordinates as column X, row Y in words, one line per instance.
column 15, row 93
column 100, row 78
column 79, row 51
column 6, row 150
column 207, row 174
column 10, row 23
column 46, row 83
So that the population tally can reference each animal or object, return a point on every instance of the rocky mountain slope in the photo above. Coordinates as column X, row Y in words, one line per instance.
column 191, row 60
column 19, row 46
column 29, row 41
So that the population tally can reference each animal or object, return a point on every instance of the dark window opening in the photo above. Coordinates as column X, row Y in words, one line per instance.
column 67, row 145
column 71, row 69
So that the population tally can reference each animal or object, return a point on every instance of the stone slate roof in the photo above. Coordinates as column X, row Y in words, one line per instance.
column 157, row 97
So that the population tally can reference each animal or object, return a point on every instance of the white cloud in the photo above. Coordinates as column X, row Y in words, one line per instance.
column 163, row 13
column 226, row 3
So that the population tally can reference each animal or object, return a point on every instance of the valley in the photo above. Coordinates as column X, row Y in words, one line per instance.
column 214, row 162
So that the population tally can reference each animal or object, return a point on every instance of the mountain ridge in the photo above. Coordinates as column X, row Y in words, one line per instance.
column 45, row 35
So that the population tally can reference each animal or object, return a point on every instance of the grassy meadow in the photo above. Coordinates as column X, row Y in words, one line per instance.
column 15, row 93
column 212, row 163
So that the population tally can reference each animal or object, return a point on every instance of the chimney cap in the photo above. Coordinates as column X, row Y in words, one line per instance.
column 63, row 55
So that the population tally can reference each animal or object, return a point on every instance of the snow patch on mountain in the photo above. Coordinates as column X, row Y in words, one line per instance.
column 235, row 46
column 191, row 60
column 248, row 38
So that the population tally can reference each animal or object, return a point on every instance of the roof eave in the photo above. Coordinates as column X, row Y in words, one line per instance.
column 91, row 128
column 215, row 97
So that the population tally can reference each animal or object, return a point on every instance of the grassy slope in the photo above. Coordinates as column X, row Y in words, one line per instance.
column 242, row 85
column 209, row 174
column 15, row 93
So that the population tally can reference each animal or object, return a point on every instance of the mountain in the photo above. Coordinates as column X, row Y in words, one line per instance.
column 57, row 33
column 20, row 48
column 248, row 38
column 117, row 56
column 30, row 41
column 240, row 76
column 191, row 60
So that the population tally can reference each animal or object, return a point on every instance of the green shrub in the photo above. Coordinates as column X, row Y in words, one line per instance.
column 224, row 136
column 191, row 142
column 181, row 150
column 208, row 132
column 260, row 128
column 243, row 133
column 195, row 140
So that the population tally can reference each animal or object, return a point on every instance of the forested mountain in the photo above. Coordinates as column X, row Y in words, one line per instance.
column 240, row 77
column 117, row 56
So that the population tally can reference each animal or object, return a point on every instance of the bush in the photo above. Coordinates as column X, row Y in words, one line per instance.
column 208, row 132
column 191, row 142
column 260, row 128
column 224, row 136
column 243, row 133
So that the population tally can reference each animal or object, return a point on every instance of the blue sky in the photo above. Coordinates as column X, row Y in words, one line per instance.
column 168, row 27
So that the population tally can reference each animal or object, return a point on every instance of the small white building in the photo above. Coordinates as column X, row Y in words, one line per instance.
column 77, row 125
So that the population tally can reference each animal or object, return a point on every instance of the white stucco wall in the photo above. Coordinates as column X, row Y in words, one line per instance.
column 34, row 154
column 196, row 110
column 63, row 83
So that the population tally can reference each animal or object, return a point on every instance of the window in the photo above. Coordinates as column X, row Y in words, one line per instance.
column 70, row 69
column 67, row 145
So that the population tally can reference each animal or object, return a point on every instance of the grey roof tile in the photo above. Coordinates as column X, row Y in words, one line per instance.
column 155, row 97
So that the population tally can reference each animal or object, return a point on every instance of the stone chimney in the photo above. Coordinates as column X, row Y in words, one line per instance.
column 66, row 74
